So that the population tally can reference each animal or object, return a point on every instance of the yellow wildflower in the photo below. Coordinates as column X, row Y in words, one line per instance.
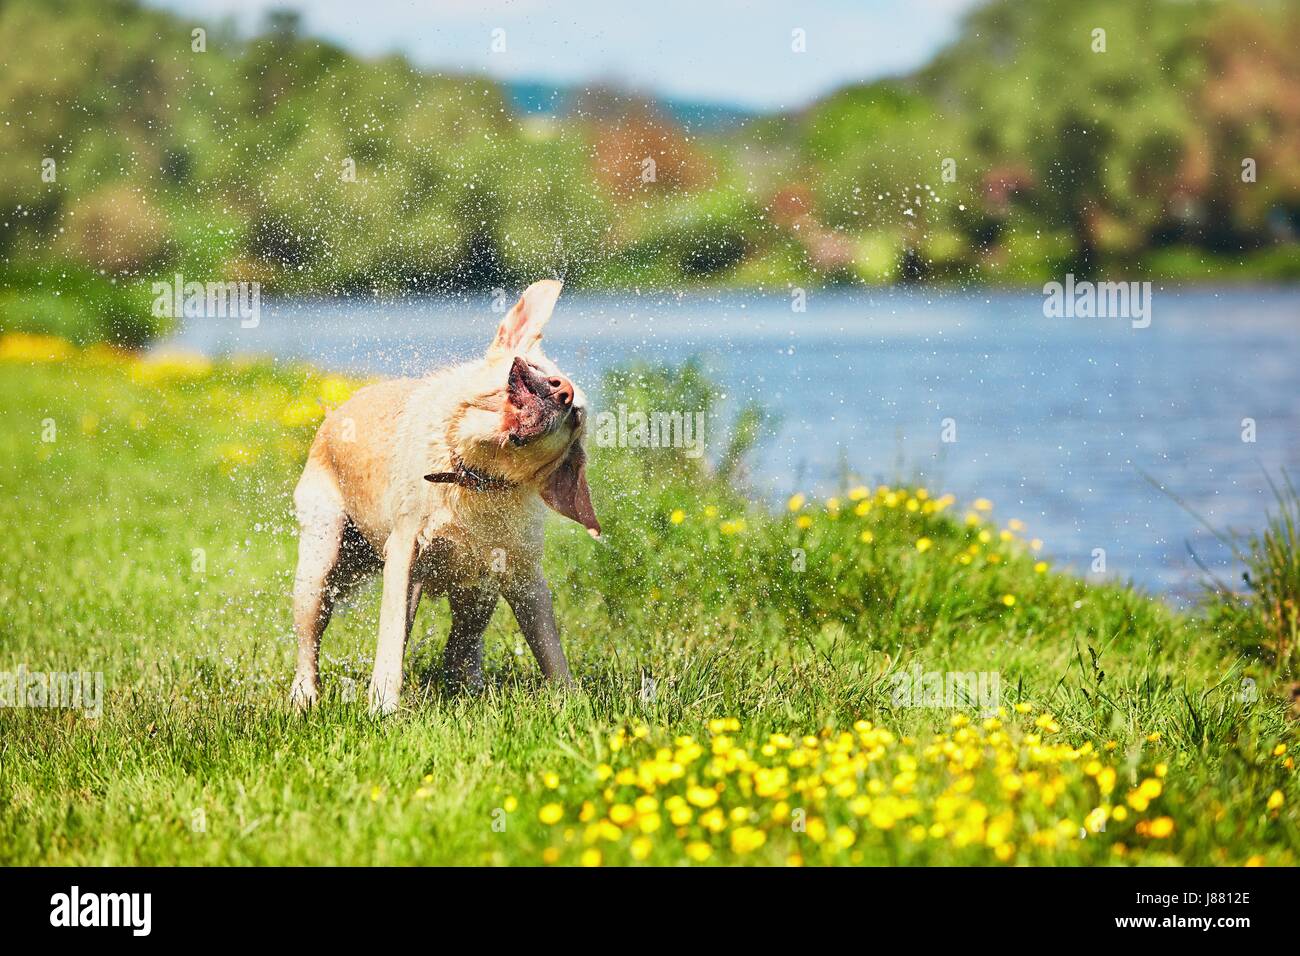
column 698, row 851
column 1161, row 827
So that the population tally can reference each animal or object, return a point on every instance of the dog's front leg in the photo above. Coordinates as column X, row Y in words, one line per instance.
column 386, row 683
column 530, row 599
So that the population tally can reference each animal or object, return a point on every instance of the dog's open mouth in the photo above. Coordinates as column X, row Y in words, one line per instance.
column 536, row 405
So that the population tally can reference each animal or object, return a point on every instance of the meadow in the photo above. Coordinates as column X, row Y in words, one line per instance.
column 741, row 670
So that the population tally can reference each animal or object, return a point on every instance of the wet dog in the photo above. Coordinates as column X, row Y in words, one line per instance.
column 440, row 481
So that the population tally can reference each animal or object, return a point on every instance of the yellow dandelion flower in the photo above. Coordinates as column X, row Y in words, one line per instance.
column 305, row 410
column 747, row 839
column 702, row 797
column 713, row 820
column 646, row 804
column 678, row 516
column 1009, row 600
column 1161, row 827
column 1106, row 779
column 924, row 544
column 25, row 347
column 334, row 390
column 982, row 504
column 796, row 501
column 804, row 522
column 698, row 851
column 866, row 537
column 591, row 857
column 550, row 814
column 1275, row 799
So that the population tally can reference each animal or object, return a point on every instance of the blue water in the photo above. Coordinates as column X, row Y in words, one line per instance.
column 1056, row 419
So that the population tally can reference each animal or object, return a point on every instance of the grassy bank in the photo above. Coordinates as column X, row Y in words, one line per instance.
column 739, row 697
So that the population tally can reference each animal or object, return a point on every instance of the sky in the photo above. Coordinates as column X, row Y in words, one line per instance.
column 724, row 51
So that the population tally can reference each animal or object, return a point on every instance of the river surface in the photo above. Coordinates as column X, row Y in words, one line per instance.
column 1056, row 420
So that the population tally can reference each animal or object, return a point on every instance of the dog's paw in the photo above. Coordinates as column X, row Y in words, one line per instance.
column 304, row 694
column 383, row 700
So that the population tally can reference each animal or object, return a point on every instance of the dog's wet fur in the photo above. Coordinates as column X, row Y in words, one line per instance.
column 495, row 439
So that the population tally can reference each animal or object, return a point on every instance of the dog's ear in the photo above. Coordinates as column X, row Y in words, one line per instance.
column 521, row 329
column 566, row 490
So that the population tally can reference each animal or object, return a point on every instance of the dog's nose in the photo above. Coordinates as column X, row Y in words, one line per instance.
column 561, row 390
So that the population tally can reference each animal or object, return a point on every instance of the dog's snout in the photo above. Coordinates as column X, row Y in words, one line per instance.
column 561, row 390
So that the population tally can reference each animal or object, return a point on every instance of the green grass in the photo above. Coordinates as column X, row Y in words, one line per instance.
column 152, row 540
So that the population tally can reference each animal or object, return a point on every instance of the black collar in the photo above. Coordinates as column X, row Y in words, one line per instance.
column 465, row 476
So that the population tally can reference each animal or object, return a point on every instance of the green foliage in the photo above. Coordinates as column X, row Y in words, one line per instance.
column 286, row 160
column 1265, row 620
column 78, row 305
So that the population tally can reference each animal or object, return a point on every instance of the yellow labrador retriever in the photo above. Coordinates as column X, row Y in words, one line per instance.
column 440, row 481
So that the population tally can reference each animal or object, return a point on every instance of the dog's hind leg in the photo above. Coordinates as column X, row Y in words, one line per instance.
column 530, row 598
column 462, row 661
column 321, row 524
column 413, row 604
